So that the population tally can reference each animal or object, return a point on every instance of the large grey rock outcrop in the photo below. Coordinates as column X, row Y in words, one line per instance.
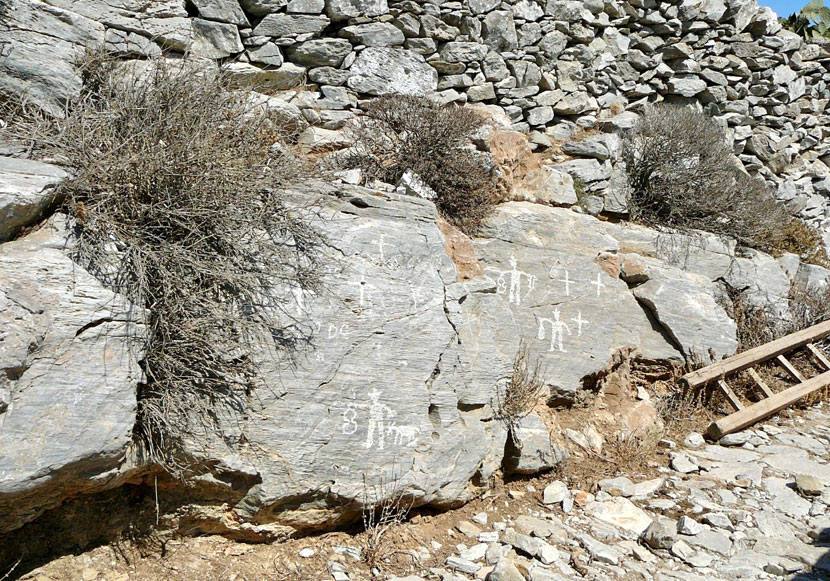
column 26, row 192
column 402, row 362
column 68, row 378
column 553, row 288
column 378, row 396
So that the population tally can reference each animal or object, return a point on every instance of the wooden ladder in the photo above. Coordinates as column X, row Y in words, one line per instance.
column 744, row 416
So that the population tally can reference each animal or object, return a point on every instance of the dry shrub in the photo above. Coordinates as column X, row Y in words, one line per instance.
column 684, row 411
column 384, row 508
column 400, row 133
column 522, row 391
column 176, row 197
column 682, row 174
column 633, row 452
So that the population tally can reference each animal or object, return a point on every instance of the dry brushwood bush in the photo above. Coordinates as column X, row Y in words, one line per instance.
column 682, row 174
column 400, row 133
column 176, row 196
column 522, row 390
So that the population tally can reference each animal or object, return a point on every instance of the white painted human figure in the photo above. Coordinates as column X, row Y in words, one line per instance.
column 514, row 293
column 557, row 330
column 379, row 416
column 580, row 322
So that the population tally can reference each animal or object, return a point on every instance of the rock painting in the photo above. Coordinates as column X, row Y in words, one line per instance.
column 557, row 331
column 381, row 429
column 513, row 288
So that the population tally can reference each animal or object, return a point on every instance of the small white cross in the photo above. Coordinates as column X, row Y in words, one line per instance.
column 381, row 244
column 567, row 280
column 598, row 282
column 579, row 322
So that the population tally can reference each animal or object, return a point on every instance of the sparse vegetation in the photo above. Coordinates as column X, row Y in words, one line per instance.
column 811, row 22
column 400, row 133
column 522, row 391
column 384, row 507
column 682, row 175
column 176, row 199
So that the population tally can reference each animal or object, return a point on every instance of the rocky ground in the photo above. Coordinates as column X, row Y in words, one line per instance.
column 754, row 506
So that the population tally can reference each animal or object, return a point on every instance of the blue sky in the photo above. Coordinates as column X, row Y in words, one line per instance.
column 784, row 7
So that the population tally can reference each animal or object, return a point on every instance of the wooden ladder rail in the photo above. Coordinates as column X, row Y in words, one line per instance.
column 773, row 402
column 701, row 377
column 767, row 407
column 818, row 356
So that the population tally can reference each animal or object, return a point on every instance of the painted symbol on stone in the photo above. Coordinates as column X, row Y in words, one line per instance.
column 366, row 290
column 580, row 322
column 514, row 294
column 334, row 331
column 379, row 418
column 567, row 280
column 598, row 283
column 350, row 419
column 557, row 330
column 381, row 244
column 404, row 435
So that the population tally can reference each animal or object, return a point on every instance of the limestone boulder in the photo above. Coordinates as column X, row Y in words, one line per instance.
column 382, row 71
column 26, row 192
column 69, row 352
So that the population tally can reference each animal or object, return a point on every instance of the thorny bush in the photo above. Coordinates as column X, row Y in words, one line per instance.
column 682, row 174
column 400, row 133
column 176, row 199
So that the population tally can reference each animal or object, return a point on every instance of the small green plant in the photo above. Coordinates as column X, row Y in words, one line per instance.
column 811, row 22
column 400, row 133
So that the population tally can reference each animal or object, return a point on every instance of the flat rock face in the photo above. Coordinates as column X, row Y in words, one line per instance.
column 398, row 383
column 382, row 71
column 375, row 399
column 552, row 291
column 68, row 377
column 25, row 192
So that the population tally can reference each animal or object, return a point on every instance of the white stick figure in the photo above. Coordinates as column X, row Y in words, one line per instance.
column 556, row 331
column 379, row 414
column 514, row 295
column 579, row 323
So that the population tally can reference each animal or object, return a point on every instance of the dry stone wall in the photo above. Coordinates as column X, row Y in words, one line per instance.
column 555, row 67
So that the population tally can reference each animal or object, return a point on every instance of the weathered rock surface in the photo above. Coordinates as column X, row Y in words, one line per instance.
column 69, row 352
column 381, row 71
column 26, row 192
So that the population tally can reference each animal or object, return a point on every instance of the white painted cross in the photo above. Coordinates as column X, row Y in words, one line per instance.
column 579, row 323
column 598, row 282
column 379, row 241
column 567, row 280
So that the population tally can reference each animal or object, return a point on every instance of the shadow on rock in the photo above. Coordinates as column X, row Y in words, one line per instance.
column 820, row 570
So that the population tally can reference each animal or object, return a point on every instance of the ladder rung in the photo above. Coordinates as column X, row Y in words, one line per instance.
column 730, row 395
column 760, row 382
column 784, row 362
column 819, row 356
